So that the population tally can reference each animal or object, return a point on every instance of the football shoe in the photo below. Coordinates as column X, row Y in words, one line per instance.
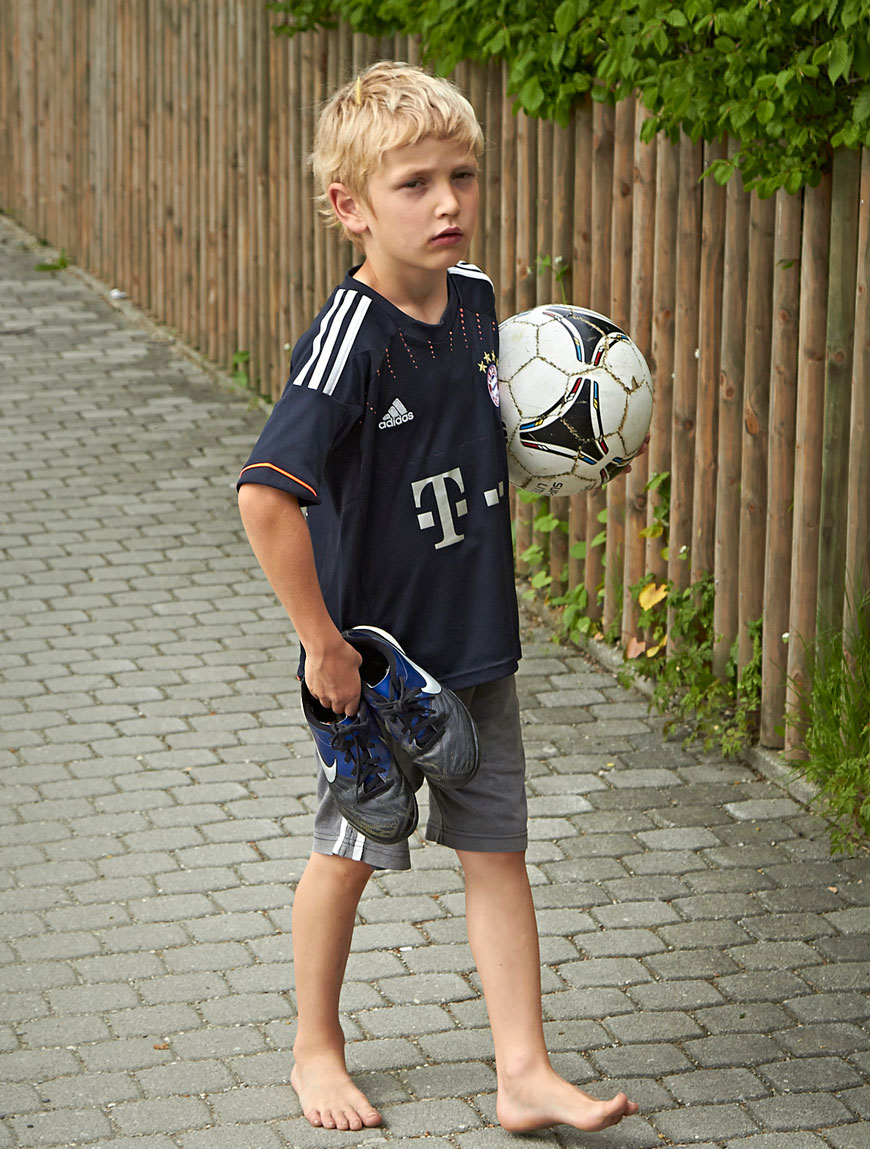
column 421, row 720
column 369, row 788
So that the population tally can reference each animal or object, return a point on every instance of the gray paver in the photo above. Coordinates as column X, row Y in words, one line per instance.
column 701, row 947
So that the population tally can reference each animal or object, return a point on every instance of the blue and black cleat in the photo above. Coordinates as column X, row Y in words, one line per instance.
column 369, row 788
column 421, row 720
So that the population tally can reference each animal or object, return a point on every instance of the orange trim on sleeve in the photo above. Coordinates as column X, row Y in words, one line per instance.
column 286, row 474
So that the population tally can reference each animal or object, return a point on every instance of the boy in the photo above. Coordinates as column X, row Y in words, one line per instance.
column 388, row 433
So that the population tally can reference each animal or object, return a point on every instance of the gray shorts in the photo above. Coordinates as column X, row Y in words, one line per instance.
column 487, row 815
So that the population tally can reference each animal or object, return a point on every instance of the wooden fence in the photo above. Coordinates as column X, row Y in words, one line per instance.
column 163, row 146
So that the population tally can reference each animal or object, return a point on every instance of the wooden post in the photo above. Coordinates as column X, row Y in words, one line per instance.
column 599, row 300
column 187, row 149
column 156, row 166
column 664, row 290
column 476, row 93
column 317, row 236
column 266, row 324
column 685, row 366
column 780, row 469
column 620, row 312
column 493, row 111
column 808, row 447
column 7, row 169
column 726, row 562
column 218, row 204
column 562, row 179
column 296, row 192
column 307, row 214
column 640, row 330
column 525, row 263
column 713, row 213
column 845, row 192
column 756, row 410
column 541, row 234
column 858, row 527
column 506, row 297
column 43, row 77
column 231, row 271
column 581, row 273
column 279, row 174
column 67, row 137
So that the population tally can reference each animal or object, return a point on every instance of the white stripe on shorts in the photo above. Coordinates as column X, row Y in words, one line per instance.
column 359, row 841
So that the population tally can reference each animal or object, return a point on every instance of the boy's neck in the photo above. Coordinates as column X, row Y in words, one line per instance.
column 424, row 298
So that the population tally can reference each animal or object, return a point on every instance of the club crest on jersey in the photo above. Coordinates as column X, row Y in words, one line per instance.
column 489, row 365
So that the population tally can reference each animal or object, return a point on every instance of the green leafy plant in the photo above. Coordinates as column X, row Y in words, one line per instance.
column 787, row 81
column 239, row 363
column 560, row 269
column 832, row 714
column 722, row 712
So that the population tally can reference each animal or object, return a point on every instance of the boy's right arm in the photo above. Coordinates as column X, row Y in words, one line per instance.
column 279, row 538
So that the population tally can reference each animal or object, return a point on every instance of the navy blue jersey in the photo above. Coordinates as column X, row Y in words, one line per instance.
column 388, row 432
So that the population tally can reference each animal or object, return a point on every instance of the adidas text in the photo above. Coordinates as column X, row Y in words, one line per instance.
column 397, row 414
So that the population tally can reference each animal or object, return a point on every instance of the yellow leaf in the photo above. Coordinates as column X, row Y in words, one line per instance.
column 653, row 650
column 651, row 594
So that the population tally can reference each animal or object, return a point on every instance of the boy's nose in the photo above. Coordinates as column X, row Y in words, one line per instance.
column 448, row 203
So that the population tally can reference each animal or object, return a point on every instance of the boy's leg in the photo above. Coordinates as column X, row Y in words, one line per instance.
column 503, row 934
column 324, row 911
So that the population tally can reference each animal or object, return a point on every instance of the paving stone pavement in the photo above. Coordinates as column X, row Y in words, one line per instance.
column 701, row 948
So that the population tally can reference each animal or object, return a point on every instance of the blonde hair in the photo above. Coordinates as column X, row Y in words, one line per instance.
column 389, row 105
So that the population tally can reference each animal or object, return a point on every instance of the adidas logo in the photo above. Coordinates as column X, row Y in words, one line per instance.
column 397, row 414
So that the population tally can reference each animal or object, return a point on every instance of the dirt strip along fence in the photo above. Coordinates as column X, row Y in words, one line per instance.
column 162, row 145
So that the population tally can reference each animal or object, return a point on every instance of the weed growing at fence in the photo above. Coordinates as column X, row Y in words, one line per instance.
column 721, row 711
column 833, row 715
column 62, row 261
column 240, row 362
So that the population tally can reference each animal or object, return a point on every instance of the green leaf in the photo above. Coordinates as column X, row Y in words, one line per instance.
column 531, row 94
column 784, row 78
column 546, row 523
column 565, row 18
column 578, row 550
column 765, row 111
column 840, row 60
column 722, row 171
column 861, row 107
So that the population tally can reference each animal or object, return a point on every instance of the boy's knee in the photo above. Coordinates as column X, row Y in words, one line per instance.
column 344, row 871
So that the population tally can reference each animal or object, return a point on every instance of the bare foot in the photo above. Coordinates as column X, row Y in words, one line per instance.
column 328, row 1096
column 541, row 1099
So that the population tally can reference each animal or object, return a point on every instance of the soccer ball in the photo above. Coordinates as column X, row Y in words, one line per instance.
column 575, row 395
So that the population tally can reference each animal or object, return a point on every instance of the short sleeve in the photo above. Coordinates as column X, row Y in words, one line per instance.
column 324, row 398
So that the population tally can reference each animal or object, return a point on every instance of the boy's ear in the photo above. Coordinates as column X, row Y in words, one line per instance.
column 347, row 208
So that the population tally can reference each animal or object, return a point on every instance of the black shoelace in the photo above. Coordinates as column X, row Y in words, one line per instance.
column 353, row 739
column 412, row 713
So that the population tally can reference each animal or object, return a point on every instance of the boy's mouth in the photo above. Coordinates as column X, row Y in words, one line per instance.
column 450, row 235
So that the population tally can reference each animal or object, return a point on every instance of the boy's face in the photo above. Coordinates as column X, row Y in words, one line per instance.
column 421, row 208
